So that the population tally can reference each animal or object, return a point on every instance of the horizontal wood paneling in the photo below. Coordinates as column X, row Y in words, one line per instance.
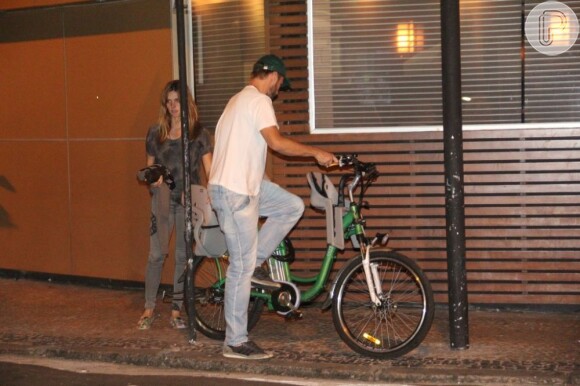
column 522, row 204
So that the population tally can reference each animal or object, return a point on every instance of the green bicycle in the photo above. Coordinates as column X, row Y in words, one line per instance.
column 382, row 303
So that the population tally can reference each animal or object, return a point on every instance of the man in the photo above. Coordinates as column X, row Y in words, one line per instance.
column 241, row 194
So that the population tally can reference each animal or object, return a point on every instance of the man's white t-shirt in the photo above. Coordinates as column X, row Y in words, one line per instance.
column 239, row 157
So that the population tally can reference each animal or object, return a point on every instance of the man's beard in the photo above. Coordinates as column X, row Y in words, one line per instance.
column 273, row 94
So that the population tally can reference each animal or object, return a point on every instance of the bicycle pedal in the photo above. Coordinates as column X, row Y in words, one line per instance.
column 293, row 315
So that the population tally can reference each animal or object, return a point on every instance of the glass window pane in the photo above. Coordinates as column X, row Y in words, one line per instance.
column 552, row 83
column 228, row 37
column 491, row 66
column 377, row 65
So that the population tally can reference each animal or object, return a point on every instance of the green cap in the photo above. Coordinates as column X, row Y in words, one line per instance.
column 274, row 63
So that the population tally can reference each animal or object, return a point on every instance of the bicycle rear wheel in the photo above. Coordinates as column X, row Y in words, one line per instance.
column 208, row 275
column 403, row 318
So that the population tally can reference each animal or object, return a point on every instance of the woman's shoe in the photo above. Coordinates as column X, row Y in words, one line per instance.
column 177, row 323
column 145, row 322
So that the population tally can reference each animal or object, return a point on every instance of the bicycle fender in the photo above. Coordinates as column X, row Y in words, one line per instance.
column 328, row 301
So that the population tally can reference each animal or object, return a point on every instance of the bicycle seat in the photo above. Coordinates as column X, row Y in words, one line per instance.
column 209, row 239
column 322, row 191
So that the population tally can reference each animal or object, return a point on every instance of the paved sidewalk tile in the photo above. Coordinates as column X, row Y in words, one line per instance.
column 75, row 322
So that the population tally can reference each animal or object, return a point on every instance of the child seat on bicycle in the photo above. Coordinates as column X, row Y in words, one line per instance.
column 324, row 196
column 209, row 239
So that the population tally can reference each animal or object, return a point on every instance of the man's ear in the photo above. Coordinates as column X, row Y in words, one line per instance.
column 275, row 76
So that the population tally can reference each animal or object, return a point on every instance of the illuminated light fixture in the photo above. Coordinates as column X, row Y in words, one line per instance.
column 466, row 99
column 409, row 38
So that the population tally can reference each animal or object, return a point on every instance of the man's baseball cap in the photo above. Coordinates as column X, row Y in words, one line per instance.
column 274, row 63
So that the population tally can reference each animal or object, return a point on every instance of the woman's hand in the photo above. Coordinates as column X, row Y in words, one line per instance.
column 157, row 183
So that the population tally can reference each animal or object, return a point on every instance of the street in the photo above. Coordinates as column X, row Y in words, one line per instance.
column 31, row 371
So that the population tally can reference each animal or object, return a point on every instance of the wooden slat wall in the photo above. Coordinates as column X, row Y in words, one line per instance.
column 521, row 193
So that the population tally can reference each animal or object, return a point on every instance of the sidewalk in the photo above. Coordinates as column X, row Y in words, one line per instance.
column 76, row 322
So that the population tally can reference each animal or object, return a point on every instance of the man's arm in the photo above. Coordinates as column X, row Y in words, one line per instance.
column 289, row 147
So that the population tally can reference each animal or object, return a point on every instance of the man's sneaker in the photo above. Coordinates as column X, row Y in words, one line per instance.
column 261, row 279
column 247, row 350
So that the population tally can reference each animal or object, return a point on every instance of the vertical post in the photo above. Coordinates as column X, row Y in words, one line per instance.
column 186, row 161
column 454, row 198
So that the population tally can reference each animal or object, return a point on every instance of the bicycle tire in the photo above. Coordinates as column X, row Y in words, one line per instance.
column 207, row 274
column 404, row 317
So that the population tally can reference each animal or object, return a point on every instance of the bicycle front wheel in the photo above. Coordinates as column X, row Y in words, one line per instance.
column 208, row 275
column 402, row 319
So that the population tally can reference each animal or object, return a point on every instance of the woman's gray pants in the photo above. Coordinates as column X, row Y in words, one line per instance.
column 166, row 214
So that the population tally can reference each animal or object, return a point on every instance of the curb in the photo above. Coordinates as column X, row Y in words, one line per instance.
column 374, row 373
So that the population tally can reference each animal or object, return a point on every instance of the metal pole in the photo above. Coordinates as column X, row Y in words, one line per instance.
column 186, row 161
column 454, row 198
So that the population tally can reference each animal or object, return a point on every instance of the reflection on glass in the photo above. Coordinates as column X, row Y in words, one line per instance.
column 409, row 38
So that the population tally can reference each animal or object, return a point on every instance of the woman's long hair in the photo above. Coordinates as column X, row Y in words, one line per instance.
column 165, row 116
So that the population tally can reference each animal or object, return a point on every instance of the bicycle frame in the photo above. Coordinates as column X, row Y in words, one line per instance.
column 353, row 228
column 318, row 281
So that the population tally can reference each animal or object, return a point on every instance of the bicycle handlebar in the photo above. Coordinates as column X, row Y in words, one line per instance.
column 364, row 174
column 360, row 168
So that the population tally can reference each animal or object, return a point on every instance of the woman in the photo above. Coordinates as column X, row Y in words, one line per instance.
column 163, row 146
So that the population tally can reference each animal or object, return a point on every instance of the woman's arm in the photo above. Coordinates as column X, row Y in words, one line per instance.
column 206, row 161
column 150, row 160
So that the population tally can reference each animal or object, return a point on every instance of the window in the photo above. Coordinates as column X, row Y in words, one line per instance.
column 376, row 66
column 228, row 38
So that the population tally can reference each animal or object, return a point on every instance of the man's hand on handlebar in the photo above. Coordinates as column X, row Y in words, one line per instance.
column 326, row 159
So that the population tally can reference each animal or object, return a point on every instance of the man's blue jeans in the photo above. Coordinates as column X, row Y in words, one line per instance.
column 249, row 247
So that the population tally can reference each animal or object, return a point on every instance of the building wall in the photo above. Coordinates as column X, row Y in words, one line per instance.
column 521, row 193
column 80, row 87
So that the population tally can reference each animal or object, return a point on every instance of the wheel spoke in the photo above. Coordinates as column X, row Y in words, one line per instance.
column 209, row 281
column 402, row 318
